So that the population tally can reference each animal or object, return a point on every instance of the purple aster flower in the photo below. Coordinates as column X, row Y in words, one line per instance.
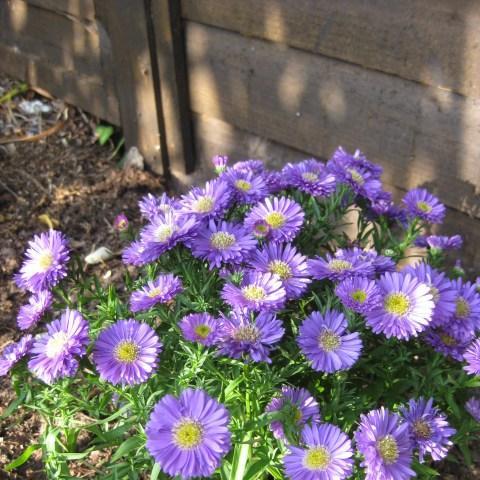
column 297, row 408
column 201, row 328
column 274, row 181
column 310, row 176
column 208, row 202
column 161, row 290
column 54, row 352
column 134, row 254
column 255, row 166
column 151, row 206
column 37, row 305
column 324, row 341
column 466, row 318
column 14, row 352
column 440, row 242
column 472, row 357
column 120, row 223
column 385, row 443
column 286, row 262
column 283, row 216
column 356, row 171
column 422, row 204
column 258, row 291
column 161, row 235
column 220, row 163
column 326, row 454
column 472, row 406
column 445, row 343
column 45, row 262
column 345, row 263
column 407, row 306
column 246, row 186
column 222, row 242
column 244, row 334
column 443, row 293
column 188, row 436
column 126, row 352
column 430, row 429
column 359, row 294
column 380, row 263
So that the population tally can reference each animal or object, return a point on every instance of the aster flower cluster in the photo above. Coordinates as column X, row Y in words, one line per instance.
column 253, row 338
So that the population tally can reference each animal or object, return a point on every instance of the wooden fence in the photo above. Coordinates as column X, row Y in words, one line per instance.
column 274, row 79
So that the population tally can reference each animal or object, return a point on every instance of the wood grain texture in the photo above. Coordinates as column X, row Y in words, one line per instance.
column 125, row 25
column 84, row 9
column 87, row 92
column 420, row 135
column 170, row 52
column 213, row 137
column 435, row 42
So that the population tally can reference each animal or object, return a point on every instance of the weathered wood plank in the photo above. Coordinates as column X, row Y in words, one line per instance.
column 87, row 92
column 215, row 137
column 312, row 103
column 436, row 42
column 125, row 24
column 59, row 38
column 78, row 8
column 170, row 51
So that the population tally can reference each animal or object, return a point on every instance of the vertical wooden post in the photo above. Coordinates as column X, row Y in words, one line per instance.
column 170, row 51
column 125, row 24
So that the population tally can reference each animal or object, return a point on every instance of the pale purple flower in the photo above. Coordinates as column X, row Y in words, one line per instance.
column 296, row 406
column 151, row 206
column 161, row 290
column 258, row 291
column 422, row 204
column 246, row 187
column 466, row 317
column 31, row 313
column 310, row 176
column 472, row 406
column 285, row 261
column 440, row 242
column 326, row 344
column 359, row 294
column 246, row 335
column 220, row 163
column 472, row 357
column 201, row 328
column 14, row 352
column 445, row 343
column 45, row 262
column 54, row 354
column 208, row 202
column 120, row 223
column 406, row 309
column 283, row 216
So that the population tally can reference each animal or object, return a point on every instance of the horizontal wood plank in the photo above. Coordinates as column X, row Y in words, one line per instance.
column 421, row 136
column 77, row 8
column 435, row 42
column 87, row 92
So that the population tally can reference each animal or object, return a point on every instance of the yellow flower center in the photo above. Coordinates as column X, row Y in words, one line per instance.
column 317, row 458
column 154, row 292
column 424, row 207
column 397, row 304
column 204, row 205
column 163, row 233
column 253, row 292
column 310, row 177
column 243, row 185
column 248, row 333
column 448, row 340
column 127, row 352
column 422, row 429
column 356, row 176
column 222, row 240
column 329, row 341
column 275, row 219
column 359, row 295
column 339, row 265
column 56, row 344
column 462, row 308
column 188, row 434
column 202, row 331
column 388, row 449
column 282, row 269
column 45, row 261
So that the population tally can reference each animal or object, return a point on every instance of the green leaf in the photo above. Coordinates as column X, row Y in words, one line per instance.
column 155, row 472
column 23, row 457
column 103, row 133
column 13, row 406
column 128, row 445
column 257, row 468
